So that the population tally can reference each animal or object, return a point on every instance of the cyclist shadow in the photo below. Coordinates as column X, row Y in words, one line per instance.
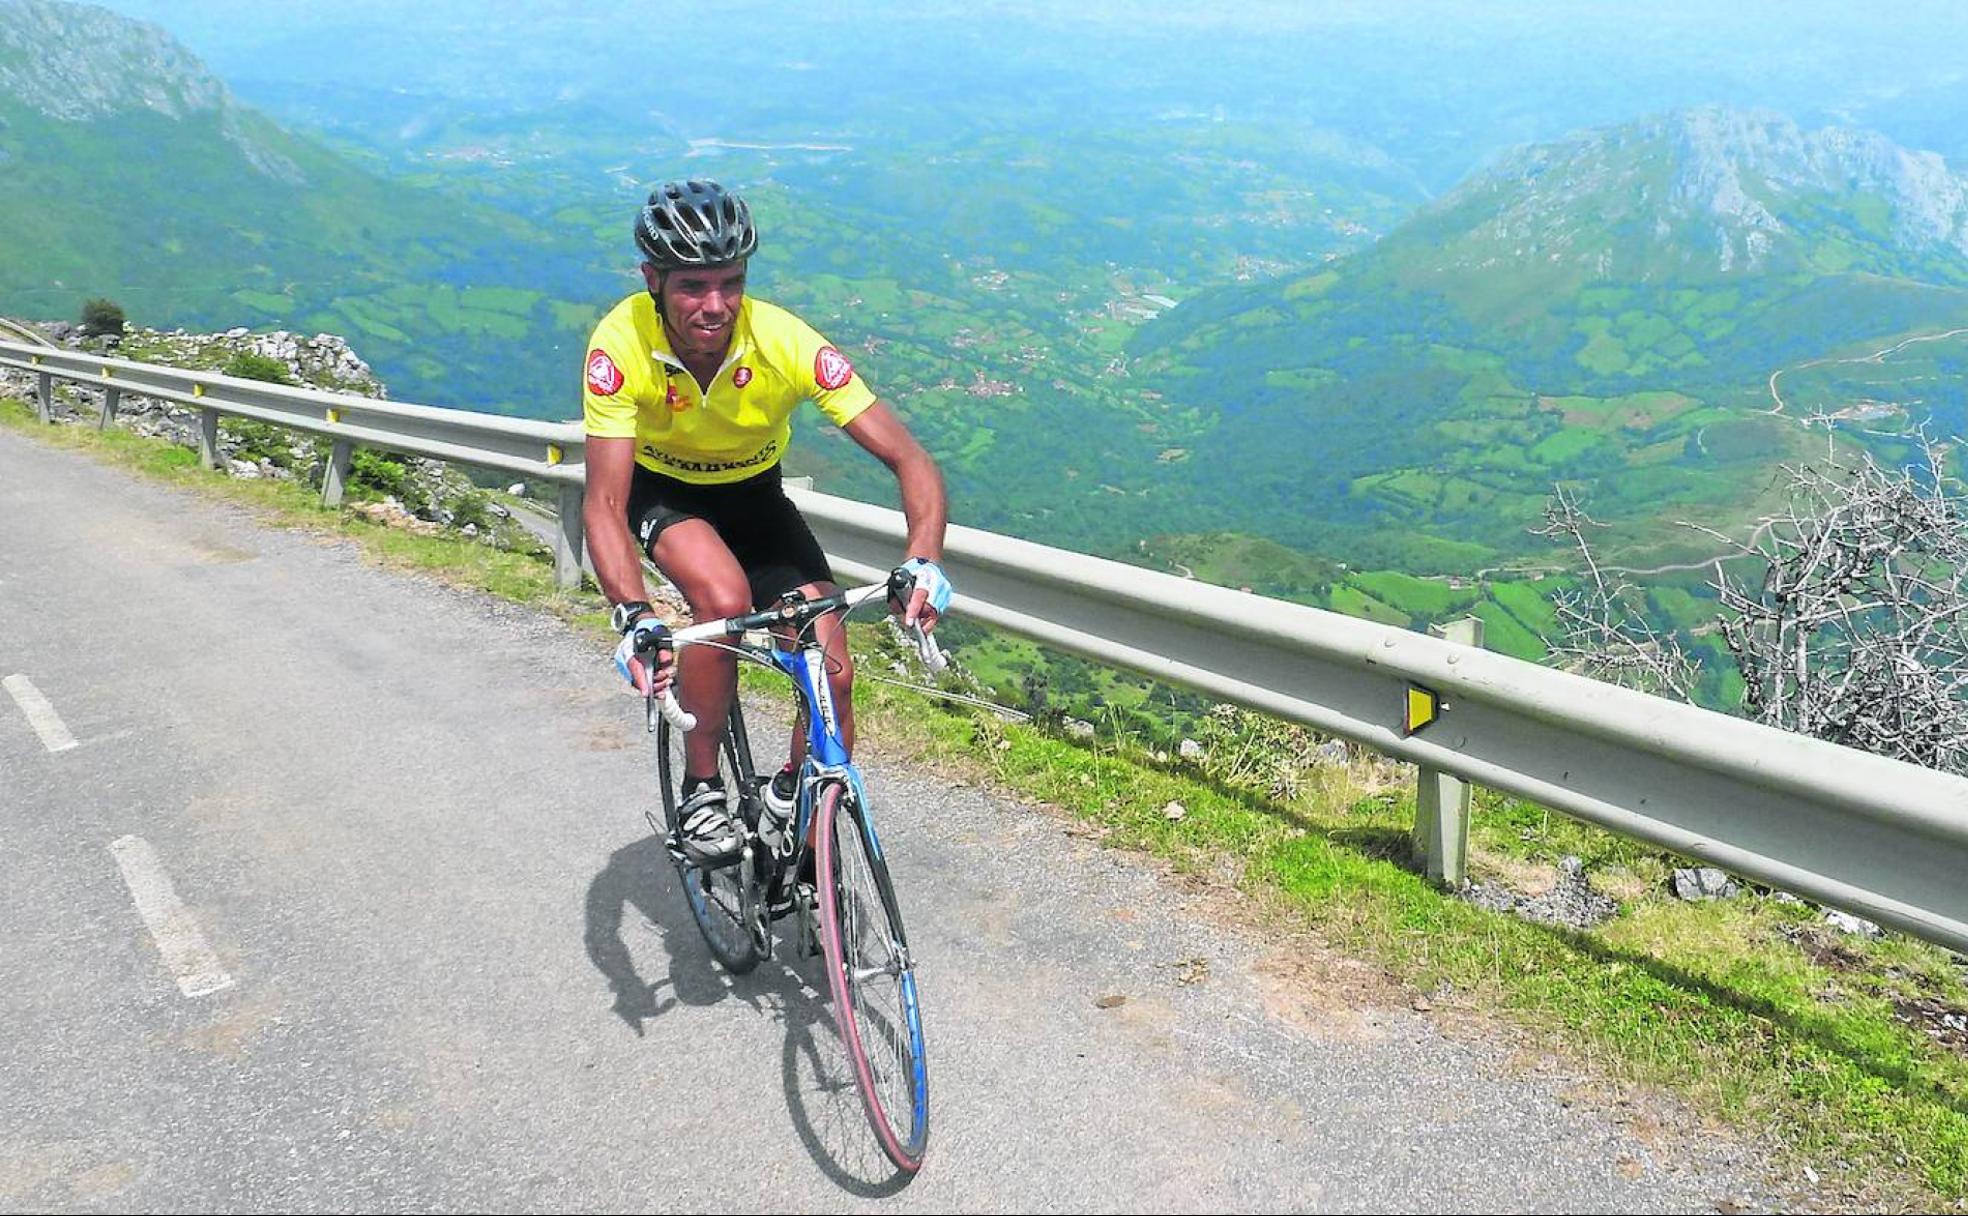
column 639, row 876
column 821, row 1094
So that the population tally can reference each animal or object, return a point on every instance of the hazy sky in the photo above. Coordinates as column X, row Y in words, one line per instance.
column 1437, row 83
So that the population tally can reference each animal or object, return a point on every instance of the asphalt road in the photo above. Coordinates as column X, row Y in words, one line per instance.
column 424, row 955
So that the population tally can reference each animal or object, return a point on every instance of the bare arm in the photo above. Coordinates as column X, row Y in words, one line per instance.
column 924, row 504
column 605, row 517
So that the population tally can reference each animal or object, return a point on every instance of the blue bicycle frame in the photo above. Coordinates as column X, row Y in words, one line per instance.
column 826, row 755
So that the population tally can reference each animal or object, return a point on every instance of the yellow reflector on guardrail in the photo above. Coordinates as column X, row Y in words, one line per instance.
column 554, row 454
column 198, row 390
column 1424, row 706
column 334, row 415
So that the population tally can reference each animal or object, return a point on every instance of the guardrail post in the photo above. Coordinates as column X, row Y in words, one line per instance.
column 112, row 396
column 44, row 399
column 568, row 541
column 208, row 437
column 334, row 479
column 1441, row 830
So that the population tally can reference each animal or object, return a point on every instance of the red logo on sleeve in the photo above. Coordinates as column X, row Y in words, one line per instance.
column 831, row 368
column 604, row 378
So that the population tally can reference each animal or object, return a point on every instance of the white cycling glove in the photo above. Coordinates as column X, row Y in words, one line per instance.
column 929, row 577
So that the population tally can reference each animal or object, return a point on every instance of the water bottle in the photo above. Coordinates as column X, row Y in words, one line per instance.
column 772, row 828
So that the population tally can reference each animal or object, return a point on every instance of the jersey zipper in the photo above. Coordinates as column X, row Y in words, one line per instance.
column 703, row 391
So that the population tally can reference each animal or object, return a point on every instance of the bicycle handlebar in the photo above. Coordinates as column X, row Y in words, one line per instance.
column 679, row 717
column 791, row 612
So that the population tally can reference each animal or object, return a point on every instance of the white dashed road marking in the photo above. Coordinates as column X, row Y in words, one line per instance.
column 40, row 715
column 177, row 934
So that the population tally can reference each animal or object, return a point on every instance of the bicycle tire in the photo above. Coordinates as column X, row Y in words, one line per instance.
column 723, row 900
column 871, row 977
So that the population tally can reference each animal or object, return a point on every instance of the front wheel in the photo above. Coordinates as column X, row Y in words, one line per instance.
column 871, row 975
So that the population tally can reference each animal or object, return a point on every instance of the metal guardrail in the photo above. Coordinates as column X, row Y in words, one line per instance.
column 554, row 451
column 10, row 329
column 1877, row 837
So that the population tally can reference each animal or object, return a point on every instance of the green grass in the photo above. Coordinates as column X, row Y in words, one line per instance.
column 1712, row 1000
column 1751, row 1012
column 1563, row 446
column 1528, row 605
column 1414, row 596
column 1355, row 602
column 1502, row 632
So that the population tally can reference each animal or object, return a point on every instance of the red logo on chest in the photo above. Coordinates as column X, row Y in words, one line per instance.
column 741, row 377
column 831, row 368
column 604, row 378
column 675, row 400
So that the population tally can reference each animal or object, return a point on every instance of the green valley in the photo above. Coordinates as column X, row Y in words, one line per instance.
column 1549, row 323
column 1248, row 350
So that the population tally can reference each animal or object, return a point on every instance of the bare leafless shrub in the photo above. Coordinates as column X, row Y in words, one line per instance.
column 1846, row 620
column 1604, row 631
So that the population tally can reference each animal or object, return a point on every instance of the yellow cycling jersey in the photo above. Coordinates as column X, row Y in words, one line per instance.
column 636, row 388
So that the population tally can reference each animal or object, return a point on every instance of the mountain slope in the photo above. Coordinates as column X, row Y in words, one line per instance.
column 1702, row 193
column 128, row 171
column 1608, row 309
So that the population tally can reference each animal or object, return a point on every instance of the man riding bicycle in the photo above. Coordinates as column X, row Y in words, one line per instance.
column 689, row 391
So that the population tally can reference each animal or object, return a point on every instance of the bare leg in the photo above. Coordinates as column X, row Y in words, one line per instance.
column 692, row 556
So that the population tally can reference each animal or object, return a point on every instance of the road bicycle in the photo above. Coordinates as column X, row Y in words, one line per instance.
column 824, row 869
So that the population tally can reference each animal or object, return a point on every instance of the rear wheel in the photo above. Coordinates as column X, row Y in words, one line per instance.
column 872, row 978
column 724, row 900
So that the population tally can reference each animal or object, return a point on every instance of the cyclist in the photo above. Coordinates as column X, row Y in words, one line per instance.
column 689, row 388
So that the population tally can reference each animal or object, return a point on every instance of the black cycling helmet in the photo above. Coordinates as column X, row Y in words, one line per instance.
column 694, row 224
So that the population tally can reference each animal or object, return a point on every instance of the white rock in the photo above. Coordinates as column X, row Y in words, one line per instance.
column 517, row 489
column 1174, row 811
column 238, row 331
column 1189, row 749
column 1845, row 922
column 1697, row 883
column 243, row 468
column 1078, row 729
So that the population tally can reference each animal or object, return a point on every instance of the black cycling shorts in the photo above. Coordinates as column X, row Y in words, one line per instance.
column 753, row 518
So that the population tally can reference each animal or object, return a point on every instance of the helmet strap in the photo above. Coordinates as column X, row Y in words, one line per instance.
column 662, row 309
